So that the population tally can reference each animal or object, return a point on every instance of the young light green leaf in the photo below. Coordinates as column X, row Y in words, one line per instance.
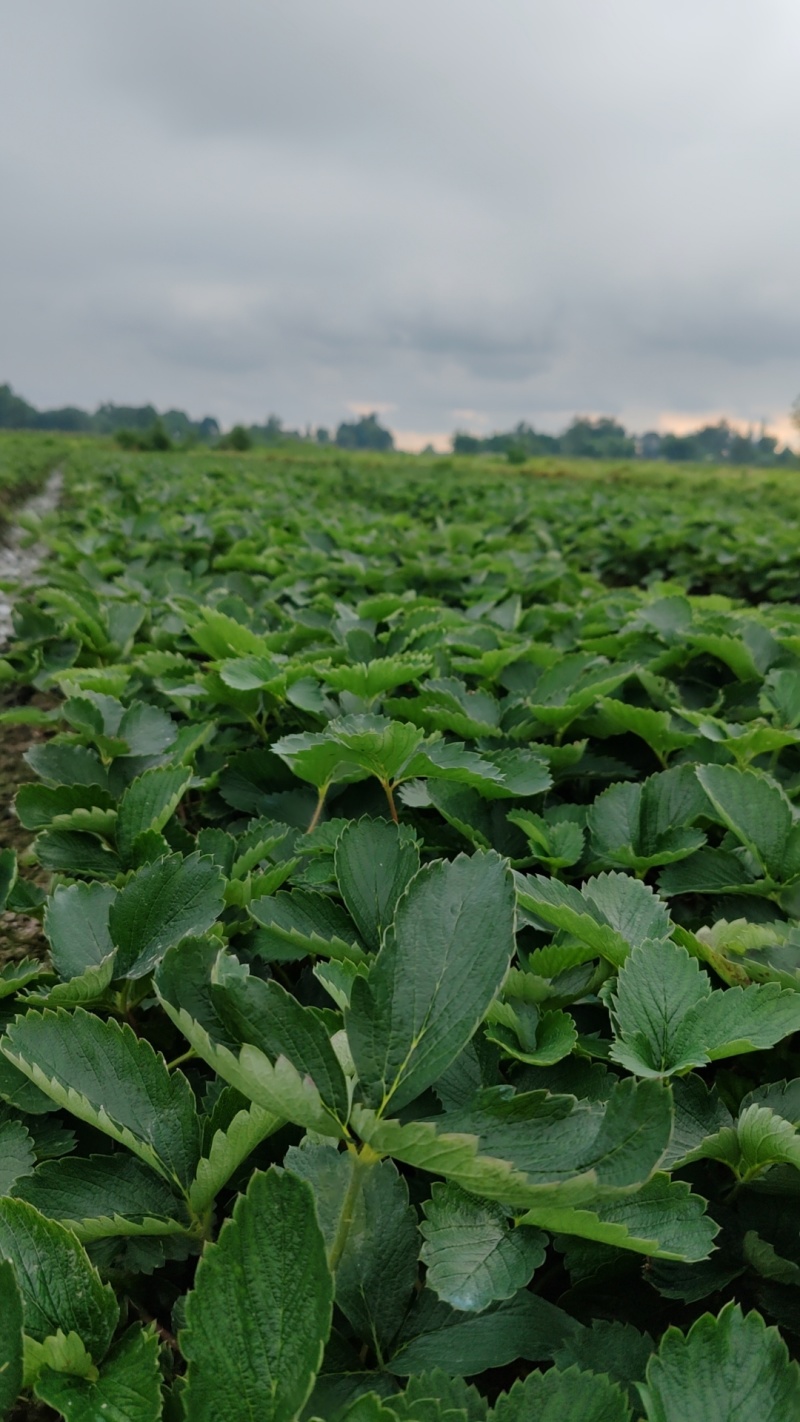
column 732, row 1367
column 260, row 1310
column 472, row 1253
column 104, row 1074
column 438, row 970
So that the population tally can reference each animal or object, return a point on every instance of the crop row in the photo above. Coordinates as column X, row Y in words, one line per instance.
column 423, row 956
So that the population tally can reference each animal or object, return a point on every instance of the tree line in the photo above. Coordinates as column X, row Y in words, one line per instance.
column 143, row 427
column 605, row 438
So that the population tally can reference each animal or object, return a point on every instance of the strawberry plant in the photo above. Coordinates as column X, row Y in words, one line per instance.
column 417, row 1033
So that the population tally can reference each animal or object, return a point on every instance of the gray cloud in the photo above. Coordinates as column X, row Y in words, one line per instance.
column 519, row 209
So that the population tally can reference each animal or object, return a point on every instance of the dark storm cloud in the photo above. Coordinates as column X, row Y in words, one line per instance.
column 521, row 209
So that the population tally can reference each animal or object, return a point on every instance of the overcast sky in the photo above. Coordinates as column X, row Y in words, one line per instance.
column 460, row 213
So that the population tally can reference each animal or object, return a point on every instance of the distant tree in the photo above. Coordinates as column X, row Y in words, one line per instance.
column 323, row 435
column 69, row 419
column 156, row 437
column 680, row 448
column 466, row 443
column 600, row 438
column 15, row 413
column 366, row 433
column 238, row 438
column 110, row 418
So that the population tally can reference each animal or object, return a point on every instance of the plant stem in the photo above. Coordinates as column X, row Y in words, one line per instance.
column 390, row 797
column 360, row 1162
column 184, row 1057
column 321, row 793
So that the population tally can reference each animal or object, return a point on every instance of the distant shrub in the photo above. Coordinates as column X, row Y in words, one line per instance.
column 238, row 438
column 155, row 438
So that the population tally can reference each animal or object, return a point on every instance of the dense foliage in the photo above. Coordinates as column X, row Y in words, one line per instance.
column 424, row 949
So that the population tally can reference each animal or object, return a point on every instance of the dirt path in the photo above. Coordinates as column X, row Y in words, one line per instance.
column 19, row 934
column 18, row 562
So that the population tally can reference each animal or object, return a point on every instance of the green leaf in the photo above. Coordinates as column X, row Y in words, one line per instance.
column 161, row 904
column 376, row 1271
column 102, row 1073
column 264, row 1015
column 103, row 1196
column 260, row 1310
column 657, row 988
column 617, row 1349
column 59, row 763
column 17, row 975
column 316, row 757
column 640, row 826
column 656, row 728
column 732, row 1367
column 228, row 1149
column 304, row 922
column 76, row 923
column 38, row 806
column 662, row 1218
column 472, row 1253
column 530, row 1035
column 438, row 969
column 184, row 987
column 10, row 1337
column 59, row 1286
column 435, row 1397
column 369, row 680
column 524, row 1326
column 374, row 860
column 754, row 808
column 16, row 1154
column 555, row 1396
column 667, row 1019
column 127, row 1389
column 560, row 1160
column 75, row 853
column 148, row 803
column 8, row 875
column 610, row 914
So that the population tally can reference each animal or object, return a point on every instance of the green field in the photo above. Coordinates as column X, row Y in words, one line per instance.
column 416, row 846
